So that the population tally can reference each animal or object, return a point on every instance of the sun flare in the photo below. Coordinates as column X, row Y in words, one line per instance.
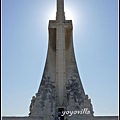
column 69, row 14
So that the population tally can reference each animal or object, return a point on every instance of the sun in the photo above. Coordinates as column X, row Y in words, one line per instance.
column 70, row 14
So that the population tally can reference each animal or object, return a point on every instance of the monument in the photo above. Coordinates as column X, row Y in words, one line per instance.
column 61, row 94
column 61, row 88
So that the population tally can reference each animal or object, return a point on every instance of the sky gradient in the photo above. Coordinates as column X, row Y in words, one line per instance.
column 24, row 50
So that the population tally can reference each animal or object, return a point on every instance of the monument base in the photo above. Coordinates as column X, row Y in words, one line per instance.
column 69, row 118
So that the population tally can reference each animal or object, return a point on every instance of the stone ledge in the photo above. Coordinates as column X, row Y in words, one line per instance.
column 106, row 117
column 70, row 118
column 22, row 118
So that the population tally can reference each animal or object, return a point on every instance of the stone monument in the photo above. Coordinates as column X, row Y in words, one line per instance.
column 61, row 94
column 61, row 88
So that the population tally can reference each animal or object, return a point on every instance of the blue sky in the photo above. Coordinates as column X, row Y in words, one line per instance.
column 24, row 49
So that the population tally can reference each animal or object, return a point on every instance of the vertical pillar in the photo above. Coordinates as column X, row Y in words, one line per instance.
column 60, row 65
column 60, row 11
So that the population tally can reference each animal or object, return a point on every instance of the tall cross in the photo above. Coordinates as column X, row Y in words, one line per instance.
column 64, row 91
column 60, row 55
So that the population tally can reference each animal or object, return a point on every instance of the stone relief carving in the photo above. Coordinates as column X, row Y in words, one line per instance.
column 32, row 104
column 46, row 95
column 75, row 93
column 48, row 91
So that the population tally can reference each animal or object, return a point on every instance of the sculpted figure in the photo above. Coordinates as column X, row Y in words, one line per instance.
column 32, row 104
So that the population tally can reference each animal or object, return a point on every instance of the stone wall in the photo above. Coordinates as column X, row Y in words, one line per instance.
column 106, row 118
column 93, row 118
column 70, row 118
column 22, row 118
